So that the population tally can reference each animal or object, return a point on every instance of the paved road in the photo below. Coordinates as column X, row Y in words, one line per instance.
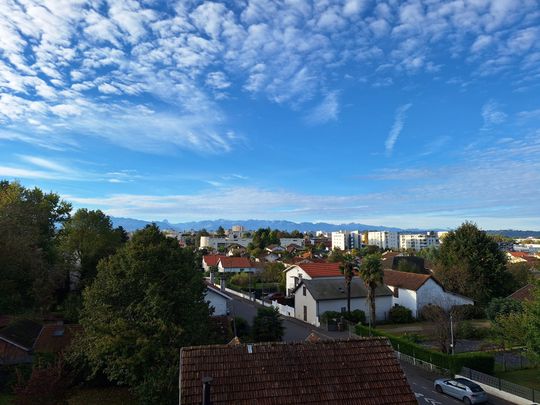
column 420, row 380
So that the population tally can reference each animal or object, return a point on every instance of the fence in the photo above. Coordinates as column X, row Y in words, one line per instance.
column 502, row 385
column 421, row 363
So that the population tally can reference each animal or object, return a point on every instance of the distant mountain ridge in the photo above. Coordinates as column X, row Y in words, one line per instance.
column 131, row 224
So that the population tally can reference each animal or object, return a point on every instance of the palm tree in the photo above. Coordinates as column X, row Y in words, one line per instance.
column 348, row 266
column 372, row 274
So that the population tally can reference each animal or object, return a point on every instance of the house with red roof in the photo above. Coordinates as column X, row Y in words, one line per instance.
column 235, row 265
column 294, row 274
column 210, row 261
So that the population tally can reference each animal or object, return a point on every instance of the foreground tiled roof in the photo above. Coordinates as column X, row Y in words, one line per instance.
column 523, row 294
column 402, row 279
column 321, row 269
column 235, row 262
column 212, row 260
column 332, row 289
column 55, row 338
column 363, row 371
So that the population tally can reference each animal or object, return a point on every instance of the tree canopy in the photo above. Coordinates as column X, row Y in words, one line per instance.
column 372, row 274
column 146, row 302
column 470, row 263
column 267, row 325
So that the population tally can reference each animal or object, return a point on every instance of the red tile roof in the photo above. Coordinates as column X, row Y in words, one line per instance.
column 315, row 270
column 346, row 372
column 520, row 254
column 212, row 260
column 55, row 338
column 402, row 279
column 523, row 294
column 235, row 262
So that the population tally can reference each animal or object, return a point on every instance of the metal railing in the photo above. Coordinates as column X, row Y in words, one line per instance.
column 500, row 384
column 421, row 363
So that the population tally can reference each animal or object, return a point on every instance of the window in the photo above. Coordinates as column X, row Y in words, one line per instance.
column 305, row 313
column 396, row 292
column 304, row 291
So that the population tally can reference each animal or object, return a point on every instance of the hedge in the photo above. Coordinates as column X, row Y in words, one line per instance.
column 480, row 361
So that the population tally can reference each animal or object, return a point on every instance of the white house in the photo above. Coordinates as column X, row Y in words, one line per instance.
column 235, row 265
column 308, row 271
column 210, row 261
column 218, row 300
column 312, row 298
column 415, row 291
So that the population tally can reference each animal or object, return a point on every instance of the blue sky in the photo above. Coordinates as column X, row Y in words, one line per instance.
column 417, row 113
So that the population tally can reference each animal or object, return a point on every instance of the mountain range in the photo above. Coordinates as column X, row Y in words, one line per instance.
column 131, row 224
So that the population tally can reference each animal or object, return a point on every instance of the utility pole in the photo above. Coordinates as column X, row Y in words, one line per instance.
column 451, row 334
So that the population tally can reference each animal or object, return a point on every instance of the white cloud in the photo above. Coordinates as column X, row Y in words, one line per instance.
column 399, row 121
column 327, row 110
column 492, row 115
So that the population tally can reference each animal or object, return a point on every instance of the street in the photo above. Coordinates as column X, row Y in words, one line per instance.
column 420, row 380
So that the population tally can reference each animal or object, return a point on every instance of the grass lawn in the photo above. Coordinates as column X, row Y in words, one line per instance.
column 99, row 396
column 423, row 328
column 5, row 399
column 529, row 377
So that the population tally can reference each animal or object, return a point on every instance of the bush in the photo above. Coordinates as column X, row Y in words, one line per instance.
column 356, row 316
column 400, row 314
column 484, row 362
column 267, row 325
column 240, row 279
column 243, row 329
column 466, row 330
column 469, row 311
column 502, row 306
column 328, row 315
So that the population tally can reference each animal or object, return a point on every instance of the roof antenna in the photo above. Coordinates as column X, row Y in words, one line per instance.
column 206, row 381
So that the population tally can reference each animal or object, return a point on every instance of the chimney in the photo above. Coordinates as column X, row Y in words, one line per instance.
column 206, row 381
column 222, row 284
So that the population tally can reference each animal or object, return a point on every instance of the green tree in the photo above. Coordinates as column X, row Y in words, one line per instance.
column 272, row 272
column 336, row 255
column 470, row 263
column 88, row 237
column 348, row 266
column 372, row 274
column 267, row 325
column 220, row 232
column 502, row 306
column 146, row 302
column 31, row 270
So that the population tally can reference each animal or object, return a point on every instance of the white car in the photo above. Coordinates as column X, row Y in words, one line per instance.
column 461, row 388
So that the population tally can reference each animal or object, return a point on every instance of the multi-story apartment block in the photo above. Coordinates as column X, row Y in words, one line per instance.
column 384, row 239
column 418, row 241
column 292, row 241
column 216, row 243
column 345, row 240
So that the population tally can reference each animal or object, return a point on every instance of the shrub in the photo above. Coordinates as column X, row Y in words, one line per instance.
column 469, row 311
column 400, row 314
column 466, row 330
column 412, row 337
column 328, row 315
column 484, row 362
column 240, row 279
column 502, row 306
column 267, row 325
column 356, row 316
column 243, row 329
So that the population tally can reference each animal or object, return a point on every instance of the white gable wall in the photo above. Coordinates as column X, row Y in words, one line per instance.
column 294, row 276
column 405, row 298
column 217, row 301
column 432, row 293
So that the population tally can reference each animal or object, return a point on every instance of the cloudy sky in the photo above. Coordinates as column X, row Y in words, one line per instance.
column 414, row 113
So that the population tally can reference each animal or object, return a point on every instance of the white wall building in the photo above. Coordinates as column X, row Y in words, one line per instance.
column 313, row 298
column 414, row 291
column 216, row 243
column 384, row 239
column 345, row 240
column 292, row 241
column 418, row 241
column 218, row 300
column 307, row 271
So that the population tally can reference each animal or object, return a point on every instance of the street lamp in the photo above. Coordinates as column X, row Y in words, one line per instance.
column 451, row 333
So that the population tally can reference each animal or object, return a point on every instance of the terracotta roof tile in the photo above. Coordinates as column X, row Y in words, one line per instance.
column 321, row 269
column 56, row 337
column 235, row 262
column 402, row 279
column 523, row 294
column 212, row 260
column 363, row 371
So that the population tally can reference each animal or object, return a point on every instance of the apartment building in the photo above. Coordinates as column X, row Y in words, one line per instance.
column 383, row 239
column 418, row 241
column 345, row 240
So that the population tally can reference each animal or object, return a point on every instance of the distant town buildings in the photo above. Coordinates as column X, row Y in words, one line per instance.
column 418, row 241
column 345, row 240
column 384, row 239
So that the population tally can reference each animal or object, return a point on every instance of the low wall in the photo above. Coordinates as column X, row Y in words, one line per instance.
column 500, row 394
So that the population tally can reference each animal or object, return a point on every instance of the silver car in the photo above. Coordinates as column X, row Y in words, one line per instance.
column 461, row 388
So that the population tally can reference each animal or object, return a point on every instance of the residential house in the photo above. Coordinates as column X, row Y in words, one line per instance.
column 210, row 261
column 307, row 270
column 523, row 294
column 235, row 265
column 517, row 257
column 312, row 298
column 414, row 291
column 218, row 300
column 345, row 372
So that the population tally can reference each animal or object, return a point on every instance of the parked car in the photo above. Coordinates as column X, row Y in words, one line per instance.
column 461, row 388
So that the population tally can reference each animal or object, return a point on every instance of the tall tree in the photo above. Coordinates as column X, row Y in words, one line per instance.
column 220, row 231
column 470, row 263
column 267, row 325
column 30, row 269
column 88, row 237
column 372, row 273
column 348, row 266
column 146, row 302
